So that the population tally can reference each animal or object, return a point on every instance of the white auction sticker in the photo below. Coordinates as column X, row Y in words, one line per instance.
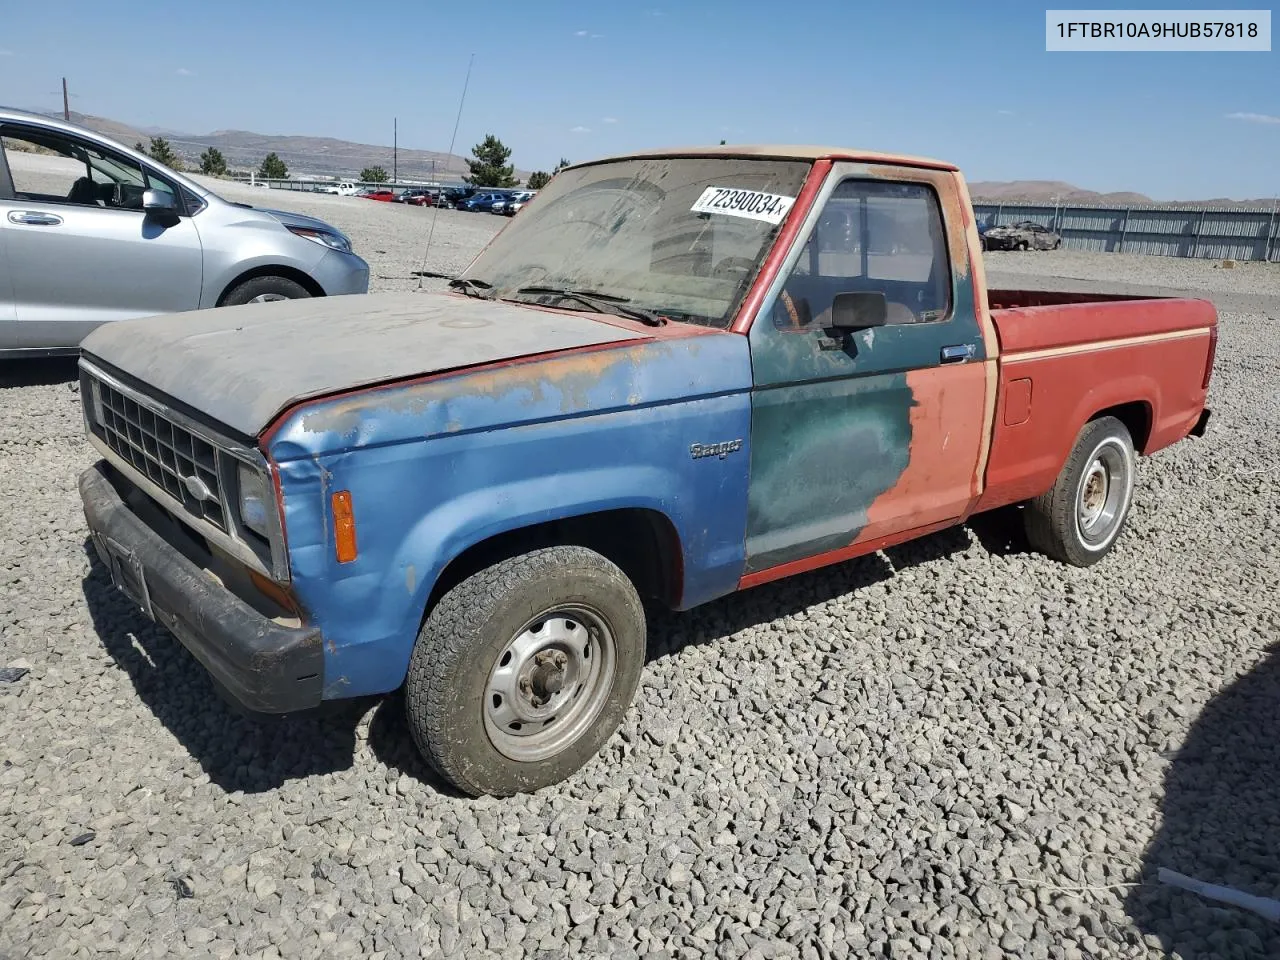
column 754, row 204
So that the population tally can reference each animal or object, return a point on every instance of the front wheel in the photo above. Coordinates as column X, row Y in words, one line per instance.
column 523, row 670
column 1078, row 520
column 263, row 289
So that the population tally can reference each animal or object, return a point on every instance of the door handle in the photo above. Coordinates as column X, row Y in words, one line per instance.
column 34, row 219
column 957, row 353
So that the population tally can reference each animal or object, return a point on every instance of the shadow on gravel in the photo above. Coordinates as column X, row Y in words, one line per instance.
column 35, row 373
column 771, row 601
column 392, row 743
column 1001, row 531
column 245, row 752
column 1221, row 825
column 253, row 753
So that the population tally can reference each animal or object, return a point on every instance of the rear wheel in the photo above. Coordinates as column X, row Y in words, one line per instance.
column 264, row 289
column 1078, row 520
column 523, row 670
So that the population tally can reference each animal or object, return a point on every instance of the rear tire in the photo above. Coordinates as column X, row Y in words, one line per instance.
column 1078, row 520
column 258, row 289
column 523, row 670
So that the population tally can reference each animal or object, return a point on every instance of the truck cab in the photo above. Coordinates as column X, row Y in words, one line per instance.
column 679, row 374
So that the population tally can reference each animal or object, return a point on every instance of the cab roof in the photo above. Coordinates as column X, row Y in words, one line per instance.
column 778, row 152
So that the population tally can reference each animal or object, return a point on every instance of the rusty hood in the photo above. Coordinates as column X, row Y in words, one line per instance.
column 243, row 365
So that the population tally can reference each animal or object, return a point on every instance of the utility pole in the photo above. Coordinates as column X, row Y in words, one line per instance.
column 395, row 149
column 66, row 106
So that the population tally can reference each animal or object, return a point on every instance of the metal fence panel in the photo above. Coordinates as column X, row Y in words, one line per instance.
column 1213, row 233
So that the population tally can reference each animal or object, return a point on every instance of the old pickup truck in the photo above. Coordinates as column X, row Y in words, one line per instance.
column 678, row 374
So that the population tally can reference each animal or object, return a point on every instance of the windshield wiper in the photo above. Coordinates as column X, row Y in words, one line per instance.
column 472, row 287
column 602, row 302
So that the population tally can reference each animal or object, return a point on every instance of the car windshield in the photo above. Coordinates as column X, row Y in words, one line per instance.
column 682, row 237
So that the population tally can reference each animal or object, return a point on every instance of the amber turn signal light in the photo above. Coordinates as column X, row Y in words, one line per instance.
column 344, row 527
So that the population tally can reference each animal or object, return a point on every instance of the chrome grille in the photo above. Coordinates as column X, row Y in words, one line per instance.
column 173, row 458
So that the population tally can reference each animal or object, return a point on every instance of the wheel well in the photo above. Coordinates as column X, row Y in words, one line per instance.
column 642, row 542
column 274, row 270
column 1136, row 416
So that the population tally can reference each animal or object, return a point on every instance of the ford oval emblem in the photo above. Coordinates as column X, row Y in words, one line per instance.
column 198, row 488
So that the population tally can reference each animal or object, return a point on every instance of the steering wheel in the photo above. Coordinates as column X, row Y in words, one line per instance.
column 794, row 320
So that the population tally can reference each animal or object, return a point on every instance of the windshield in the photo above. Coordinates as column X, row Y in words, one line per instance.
column 679, row 237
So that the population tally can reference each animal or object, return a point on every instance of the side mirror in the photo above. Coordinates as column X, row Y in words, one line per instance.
column 159, row 203
column 857, row 311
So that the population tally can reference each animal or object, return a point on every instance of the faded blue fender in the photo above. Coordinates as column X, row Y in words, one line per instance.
column 439, row 465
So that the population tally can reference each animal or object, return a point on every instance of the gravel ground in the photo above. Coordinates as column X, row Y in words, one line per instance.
column 954, row 748
column 1172, row 272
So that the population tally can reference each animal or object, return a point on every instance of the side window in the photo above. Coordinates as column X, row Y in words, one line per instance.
column 43, row 167
column 54, row 168
column 872, row 236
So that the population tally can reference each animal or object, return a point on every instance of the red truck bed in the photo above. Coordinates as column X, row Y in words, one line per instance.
column 1066, row 356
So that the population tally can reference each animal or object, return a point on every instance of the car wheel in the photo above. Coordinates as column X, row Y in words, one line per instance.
column 262, row 289
column 1021, row 245
column 523, row 670
column 1078, row 520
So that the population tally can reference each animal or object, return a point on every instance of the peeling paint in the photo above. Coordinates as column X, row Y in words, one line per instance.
column 937, row 484
column 442, row 463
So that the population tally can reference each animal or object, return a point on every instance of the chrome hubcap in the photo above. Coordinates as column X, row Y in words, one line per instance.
column 268, row 297
column 1103, row 493
column 549, row 683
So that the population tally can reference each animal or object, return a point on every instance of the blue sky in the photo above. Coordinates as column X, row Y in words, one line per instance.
column 967, row 82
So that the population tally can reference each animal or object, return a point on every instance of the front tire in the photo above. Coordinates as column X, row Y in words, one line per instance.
column 1078, row 520
column 260, row 289
column 523, row 670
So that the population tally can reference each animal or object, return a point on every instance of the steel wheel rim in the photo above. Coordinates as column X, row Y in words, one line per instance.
column 1102, row 493
column 549, row 683
column 268, row 297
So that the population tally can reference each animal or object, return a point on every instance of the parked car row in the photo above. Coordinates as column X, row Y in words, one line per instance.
column 471, row 199
column 497, row 201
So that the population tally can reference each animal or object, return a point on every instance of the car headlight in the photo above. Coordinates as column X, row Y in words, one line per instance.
column 256, row 500
column 323, row 237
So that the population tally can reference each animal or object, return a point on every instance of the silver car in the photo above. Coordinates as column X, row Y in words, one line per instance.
column 93, row 231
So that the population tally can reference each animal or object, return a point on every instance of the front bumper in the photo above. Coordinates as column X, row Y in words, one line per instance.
column 340, row 273
column 263, row 666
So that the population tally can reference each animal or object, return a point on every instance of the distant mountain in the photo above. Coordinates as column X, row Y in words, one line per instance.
column 303, row 155
column 326, row 156
column 1044, row 192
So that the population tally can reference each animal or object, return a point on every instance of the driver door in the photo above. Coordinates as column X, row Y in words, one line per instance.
column 860, row 436
column 80, row 249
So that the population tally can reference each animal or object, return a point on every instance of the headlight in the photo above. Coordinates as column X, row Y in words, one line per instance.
column 324, row 237
column 256, row 499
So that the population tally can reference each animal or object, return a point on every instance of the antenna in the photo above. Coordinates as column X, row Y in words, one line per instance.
column 435, row 210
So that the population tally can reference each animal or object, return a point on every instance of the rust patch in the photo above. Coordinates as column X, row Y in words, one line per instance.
column 947, row 430
column 572, row 374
